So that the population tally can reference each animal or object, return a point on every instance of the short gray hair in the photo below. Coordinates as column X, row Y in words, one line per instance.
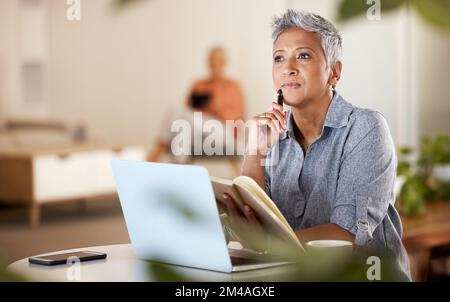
column 329, row 35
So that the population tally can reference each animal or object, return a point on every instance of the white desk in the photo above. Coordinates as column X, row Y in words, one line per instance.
column 121, row 264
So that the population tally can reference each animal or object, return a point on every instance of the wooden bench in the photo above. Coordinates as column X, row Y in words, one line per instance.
column 427, row 237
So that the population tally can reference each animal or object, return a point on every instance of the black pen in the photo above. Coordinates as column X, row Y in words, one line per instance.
column 280, row 97
column 280, row 101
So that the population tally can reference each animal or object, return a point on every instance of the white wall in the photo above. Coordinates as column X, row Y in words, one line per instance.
column 431, row 83
column 23, row 57
column 121, row 71
column 9, row 72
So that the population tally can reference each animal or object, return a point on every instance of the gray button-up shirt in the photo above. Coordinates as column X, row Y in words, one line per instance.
column 346, row 177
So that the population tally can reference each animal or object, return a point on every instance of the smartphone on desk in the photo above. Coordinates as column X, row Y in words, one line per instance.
column 57, row 259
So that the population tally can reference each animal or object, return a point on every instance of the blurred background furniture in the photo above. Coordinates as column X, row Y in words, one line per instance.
column 427, row 240
column 43, row 162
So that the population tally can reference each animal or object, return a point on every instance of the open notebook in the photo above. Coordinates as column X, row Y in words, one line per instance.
column 245, row 191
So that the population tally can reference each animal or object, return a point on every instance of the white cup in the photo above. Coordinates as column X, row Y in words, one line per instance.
column 330, row 247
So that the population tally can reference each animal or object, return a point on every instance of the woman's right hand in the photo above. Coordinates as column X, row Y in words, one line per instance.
column 265, row 130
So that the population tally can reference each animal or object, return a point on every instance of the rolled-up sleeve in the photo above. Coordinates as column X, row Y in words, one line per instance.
column 366, row 181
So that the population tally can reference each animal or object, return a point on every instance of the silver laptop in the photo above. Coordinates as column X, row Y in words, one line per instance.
column 172, row 217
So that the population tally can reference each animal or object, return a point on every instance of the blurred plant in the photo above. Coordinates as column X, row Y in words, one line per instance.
column 412, row 192
column 434, row 156
column 419, row 180
column 125, row 3
column 6, row 276
column 433, row 152
column 434, row 12
column 161, row 272
column 307, row 266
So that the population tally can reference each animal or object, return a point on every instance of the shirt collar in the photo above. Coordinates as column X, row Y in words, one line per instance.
column 337, row 116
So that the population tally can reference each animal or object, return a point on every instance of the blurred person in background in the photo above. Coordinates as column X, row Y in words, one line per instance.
column 216, row 97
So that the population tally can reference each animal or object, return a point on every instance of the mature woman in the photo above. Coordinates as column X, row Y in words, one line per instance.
column 331, row 166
